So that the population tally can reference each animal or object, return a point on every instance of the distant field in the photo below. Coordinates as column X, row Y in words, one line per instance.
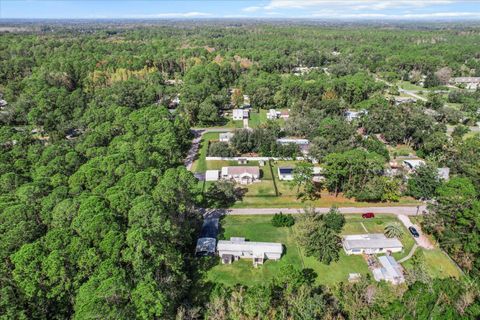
column 259, row 228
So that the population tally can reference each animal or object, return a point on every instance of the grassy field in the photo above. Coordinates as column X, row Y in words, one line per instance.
column 409, row 86
column 259, row 228
column 200, row 165
column 257, row 118
column 288, row 199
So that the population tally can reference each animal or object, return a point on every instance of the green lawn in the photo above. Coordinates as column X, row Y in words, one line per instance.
column 259, row 228
column 409, row 86
column 257, row 118
column 200, row 165
column 254, row 228
column 438, row 264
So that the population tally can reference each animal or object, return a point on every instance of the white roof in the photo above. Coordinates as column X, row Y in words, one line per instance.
column 292, row 140
column 390, row 270
column 414, row 164
column 239, row 244
column 212, row 175
column 370, row 241
column 225, row 135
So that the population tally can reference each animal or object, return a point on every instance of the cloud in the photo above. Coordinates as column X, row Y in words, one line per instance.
column 434, row 15
column 191, row 14
column 355, row 4
column 251, row 9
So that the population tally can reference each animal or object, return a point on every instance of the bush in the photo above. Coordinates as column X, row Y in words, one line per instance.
column 283, row 220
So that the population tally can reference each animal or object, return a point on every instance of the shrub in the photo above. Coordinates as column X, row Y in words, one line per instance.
column 283, row 220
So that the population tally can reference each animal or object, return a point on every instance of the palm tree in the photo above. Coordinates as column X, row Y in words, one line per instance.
column 393, row 230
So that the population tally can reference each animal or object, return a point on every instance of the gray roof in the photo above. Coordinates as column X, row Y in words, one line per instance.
column 205, row 245
column 370, row 241
column 239, row 244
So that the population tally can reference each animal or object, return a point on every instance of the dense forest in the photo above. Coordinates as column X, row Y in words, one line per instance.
column 99, row 216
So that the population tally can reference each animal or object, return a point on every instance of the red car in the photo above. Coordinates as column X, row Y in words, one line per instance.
column 368, row 215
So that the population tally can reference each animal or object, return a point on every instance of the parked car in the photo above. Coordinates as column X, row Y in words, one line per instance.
column 414, row 232
column 368, row 215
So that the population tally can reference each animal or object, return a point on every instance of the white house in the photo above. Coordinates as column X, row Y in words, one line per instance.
column 389, row 271
column 212, row 175
column 243, row 174
column 240, row 114
column 225, row 136
column 236, row 248
column 471, row 83
column 285, row 173
column 412, row 165
column 284, row 141
column 351, row 115
column 372, row 243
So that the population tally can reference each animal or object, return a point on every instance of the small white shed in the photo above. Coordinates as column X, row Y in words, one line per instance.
column 212, row 175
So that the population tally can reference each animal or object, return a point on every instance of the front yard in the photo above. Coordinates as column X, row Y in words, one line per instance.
column 259, row 228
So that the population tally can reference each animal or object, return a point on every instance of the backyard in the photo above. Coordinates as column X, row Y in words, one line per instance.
column 259, row 228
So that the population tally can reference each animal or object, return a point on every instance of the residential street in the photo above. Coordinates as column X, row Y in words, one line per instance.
column 399, row 211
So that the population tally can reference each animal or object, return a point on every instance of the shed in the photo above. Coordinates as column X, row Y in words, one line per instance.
column 285, row 173
column 389, row 271
column 212, row 175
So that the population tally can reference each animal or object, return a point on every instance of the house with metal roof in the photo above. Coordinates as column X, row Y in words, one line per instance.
column 241, row 174
column 372, row 243
column 389, row 271
column 236, row 248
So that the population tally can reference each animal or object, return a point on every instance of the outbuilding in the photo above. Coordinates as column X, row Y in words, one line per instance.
column 212, row 175
column 285, row 173
column 389, row 271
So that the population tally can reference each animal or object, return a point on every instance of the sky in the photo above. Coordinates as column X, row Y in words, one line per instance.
column 201, row 9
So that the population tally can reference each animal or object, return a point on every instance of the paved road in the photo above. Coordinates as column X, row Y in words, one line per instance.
column 406, row 211
column 422, row 241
